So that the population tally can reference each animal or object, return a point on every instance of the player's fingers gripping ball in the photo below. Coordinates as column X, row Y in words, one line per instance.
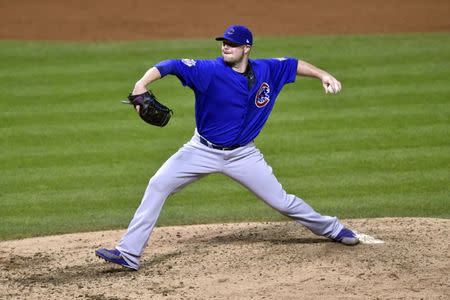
column 150, row 110
column 330, row 89
column 332, row 86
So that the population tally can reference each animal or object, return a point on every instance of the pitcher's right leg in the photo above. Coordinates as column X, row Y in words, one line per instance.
column 253, row 172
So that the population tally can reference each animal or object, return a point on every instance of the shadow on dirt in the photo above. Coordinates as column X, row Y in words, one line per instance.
column 233, row 239
column 273, row 234
column 72, row 274
column 43, row 276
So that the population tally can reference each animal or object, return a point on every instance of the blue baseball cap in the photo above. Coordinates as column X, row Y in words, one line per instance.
column 237, row 34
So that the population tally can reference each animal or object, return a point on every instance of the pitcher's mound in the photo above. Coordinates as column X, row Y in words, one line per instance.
column 238, row 261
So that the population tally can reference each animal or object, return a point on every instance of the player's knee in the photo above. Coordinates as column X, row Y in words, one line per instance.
column 282, row 208
column 159, row 184
column 286, row 204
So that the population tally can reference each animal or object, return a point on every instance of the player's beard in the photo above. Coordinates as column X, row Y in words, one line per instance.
column 234, row 60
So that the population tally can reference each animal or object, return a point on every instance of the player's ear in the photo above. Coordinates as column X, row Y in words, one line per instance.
column 247, row 49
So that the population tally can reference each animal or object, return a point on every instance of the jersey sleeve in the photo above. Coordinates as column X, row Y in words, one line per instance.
column 193, row 73
column 284, row 69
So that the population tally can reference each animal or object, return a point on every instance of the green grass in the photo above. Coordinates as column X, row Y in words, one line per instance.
column 74, row 159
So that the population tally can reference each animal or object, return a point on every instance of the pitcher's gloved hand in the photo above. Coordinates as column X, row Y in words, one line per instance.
column 150, row 110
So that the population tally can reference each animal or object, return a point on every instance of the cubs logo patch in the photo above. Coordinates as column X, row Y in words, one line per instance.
column 262, row 96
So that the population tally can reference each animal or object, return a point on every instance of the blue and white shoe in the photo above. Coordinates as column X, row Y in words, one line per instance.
column 114, row 256
column 346, row 237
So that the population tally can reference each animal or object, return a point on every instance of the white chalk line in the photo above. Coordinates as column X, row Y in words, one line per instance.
column 367, row 239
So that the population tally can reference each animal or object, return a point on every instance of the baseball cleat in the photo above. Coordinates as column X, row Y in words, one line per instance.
column 346, row 237
column 113, row 256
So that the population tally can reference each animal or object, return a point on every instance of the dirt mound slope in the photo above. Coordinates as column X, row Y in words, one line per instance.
column 237, row 261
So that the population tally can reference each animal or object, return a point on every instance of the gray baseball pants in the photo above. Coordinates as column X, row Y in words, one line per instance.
column 194, row 160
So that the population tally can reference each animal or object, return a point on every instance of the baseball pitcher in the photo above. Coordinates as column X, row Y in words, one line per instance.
column 234, row 96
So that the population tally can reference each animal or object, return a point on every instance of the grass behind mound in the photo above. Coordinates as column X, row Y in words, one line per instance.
column 73, row 158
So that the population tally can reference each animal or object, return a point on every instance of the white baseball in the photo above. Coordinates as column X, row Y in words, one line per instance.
column 330, row 89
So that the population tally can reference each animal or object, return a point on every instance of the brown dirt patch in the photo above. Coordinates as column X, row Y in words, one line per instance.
column 149, row 19
column 238, row 261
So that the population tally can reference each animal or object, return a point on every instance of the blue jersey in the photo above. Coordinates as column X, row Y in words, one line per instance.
column 227, row 111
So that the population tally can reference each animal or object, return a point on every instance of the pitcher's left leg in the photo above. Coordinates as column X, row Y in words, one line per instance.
column 248, row 167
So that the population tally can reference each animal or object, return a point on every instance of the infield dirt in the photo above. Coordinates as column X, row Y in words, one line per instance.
column 89, row 20
column 229, row 261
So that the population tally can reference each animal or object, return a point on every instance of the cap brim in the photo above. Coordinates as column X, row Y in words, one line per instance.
column 221, row 38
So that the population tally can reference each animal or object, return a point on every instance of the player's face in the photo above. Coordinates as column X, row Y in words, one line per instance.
column 233, row 53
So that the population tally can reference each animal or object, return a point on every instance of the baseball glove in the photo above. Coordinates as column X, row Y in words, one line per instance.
column 150, row 110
